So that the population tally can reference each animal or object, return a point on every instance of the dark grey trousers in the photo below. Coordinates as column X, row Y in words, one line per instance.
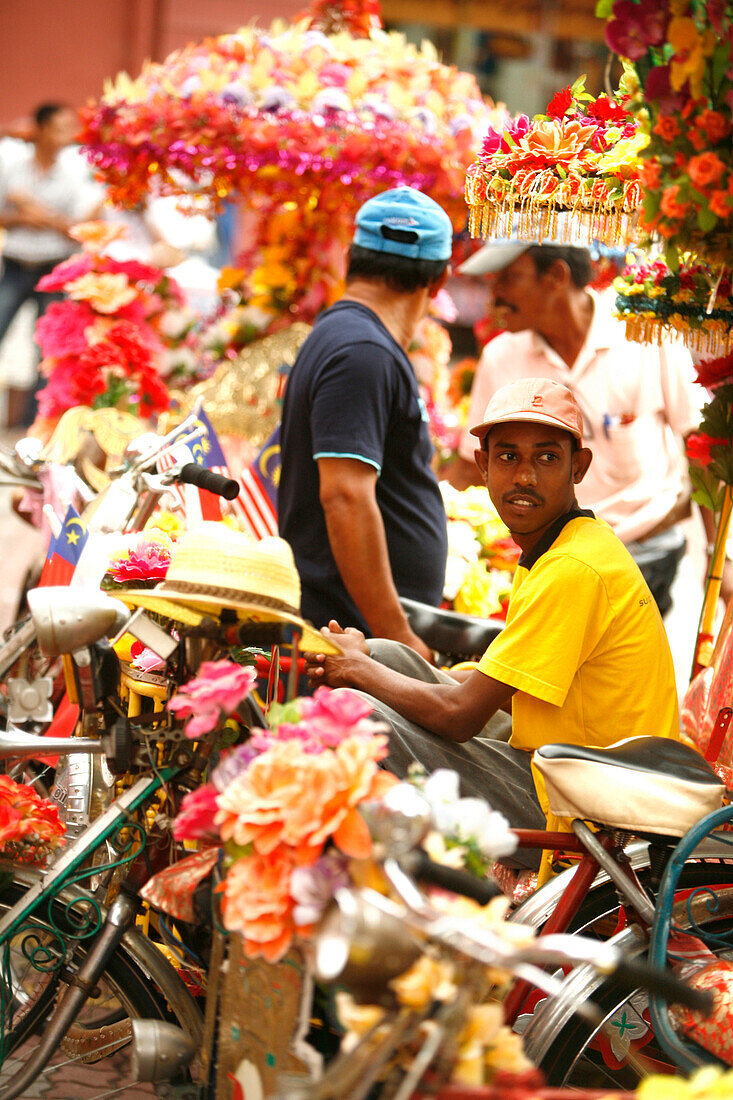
column 488, row 767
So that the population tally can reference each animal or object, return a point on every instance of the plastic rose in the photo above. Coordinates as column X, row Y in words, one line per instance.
column 218, row 689
column 147, row 561
column 196, row 818
column 61, row 330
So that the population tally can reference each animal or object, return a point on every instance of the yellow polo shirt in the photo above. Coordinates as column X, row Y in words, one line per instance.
column 585, row 646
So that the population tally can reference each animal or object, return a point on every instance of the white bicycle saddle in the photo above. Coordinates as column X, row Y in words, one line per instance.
column 643, row 784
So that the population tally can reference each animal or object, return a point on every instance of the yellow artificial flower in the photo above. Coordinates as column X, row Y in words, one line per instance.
column 167, row 523
column 230, row 278
column 690, row 51
column 482, row 591
column 425, row 981
column 105, row 292
column 624, row 154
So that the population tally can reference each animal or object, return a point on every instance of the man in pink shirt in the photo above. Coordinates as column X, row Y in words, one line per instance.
column 638, row 401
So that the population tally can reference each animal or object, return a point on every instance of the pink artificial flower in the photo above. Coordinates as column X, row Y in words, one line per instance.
column 61, row 329
column 196, row 817
column 219, row 688
column 136, row 271
column 334, row 714
column 59, row 393
column 495, row 142
column 148, row 561
column 147, row 661
column 73, row 268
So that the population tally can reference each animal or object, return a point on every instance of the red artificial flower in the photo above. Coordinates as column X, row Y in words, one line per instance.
column 608, row 110
column 559, row 103
column 670, row 205
column 61, row 329
column 720, row 204
column 705, row 169
column 667, row 128
column 713, row 372
column 635, row 27
column 698, row 446
column 650, row 174
column 715, row 125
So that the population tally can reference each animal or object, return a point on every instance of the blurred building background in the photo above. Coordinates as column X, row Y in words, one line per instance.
column 522, row 51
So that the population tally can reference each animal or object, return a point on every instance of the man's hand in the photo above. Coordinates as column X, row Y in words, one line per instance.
column 335, row 670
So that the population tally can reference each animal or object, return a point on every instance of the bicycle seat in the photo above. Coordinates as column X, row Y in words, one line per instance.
column 450, row 633
column 642, row 784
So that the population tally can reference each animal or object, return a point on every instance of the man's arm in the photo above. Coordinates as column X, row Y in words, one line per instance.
column 456, row 711
column 359, row 546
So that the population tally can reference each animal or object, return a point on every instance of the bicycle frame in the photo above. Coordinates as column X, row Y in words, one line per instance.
column 554, row 905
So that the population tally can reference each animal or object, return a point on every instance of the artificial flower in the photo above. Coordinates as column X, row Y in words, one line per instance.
column 106, row 292
column 95, row 236
column 195, row 819
column 559, row 103
column 218, row 689
column 256, row 902
column 61, row 329
column 698, row 447
column 312, row 888
column 146, row 561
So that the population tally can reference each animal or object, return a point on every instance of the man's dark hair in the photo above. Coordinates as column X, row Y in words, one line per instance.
column 574, row 441
column 45, row 112
column 577, row 259
column 401, row 273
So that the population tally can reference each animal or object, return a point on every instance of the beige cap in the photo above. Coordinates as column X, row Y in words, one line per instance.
column 538, row 400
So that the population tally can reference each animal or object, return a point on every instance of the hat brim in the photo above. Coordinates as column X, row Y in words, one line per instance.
column 481, row 430
column 190, row 610
column 494, row 257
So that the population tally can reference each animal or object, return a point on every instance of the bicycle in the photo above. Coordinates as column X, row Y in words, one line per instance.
column 369, row 937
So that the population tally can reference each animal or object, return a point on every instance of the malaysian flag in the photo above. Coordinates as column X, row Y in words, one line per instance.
column 197, row 504
column 256, row 505
column 64, row 550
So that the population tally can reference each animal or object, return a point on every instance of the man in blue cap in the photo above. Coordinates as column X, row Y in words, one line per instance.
column 358, row 500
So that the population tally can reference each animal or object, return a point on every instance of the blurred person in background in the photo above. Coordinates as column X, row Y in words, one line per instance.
column 45, row 188
column 639, row 401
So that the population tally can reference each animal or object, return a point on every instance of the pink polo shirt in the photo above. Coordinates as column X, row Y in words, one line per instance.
column 638, row 401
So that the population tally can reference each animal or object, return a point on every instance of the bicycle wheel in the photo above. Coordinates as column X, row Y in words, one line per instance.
column 621, row 1050
column 94, row 1058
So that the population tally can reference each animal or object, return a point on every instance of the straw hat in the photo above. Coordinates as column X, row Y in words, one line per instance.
column 214, row 568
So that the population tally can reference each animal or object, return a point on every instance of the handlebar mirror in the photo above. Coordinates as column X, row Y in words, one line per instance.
column 68, row 618
column 398, row 822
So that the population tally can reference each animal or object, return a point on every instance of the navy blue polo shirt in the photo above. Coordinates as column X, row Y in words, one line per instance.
column 352, row 393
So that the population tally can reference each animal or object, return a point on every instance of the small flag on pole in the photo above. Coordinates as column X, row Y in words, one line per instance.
column 256, row 505
column 64, row 550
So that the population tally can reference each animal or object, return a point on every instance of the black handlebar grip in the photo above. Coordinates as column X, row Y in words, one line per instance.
column 421, row 867
column 634, row 975
column 192, row 474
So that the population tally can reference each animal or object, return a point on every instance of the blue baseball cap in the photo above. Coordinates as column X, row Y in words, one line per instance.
column 405, row 222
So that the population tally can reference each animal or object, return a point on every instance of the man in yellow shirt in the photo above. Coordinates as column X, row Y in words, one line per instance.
column 584, row 656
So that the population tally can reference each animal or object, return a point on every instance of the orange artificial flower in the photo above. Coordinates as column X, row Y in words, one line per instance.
column 670, row 206
column 95, row 236
column 705, row 169
column 256, row 902
column 291, row 797
column 105, row 292
column 650, row 174
column 715, row 125
column 720, row 204
column 667, row 127
column 558, row 141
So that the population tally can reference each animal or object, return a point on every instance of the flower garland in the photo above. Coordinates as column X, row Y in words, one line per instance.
column 288, row 102
column 681, row 54
column 580, row 158
column 689, row 302
column 103, row 344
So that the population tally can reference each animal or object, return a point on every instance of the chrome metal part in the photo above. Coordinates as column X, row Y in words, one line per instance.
column 159, row 1050
column 66, row 619
column 643, row 905
column 30, row 700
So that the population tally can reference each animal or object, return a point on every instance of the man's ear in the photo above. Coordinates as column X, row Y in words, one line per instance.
column 582, row 459
column 482, row 461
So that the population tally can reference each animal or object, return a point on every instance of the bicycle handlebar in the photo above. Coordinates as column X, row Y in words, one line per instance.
column 422, row 868
column 192, row 474
column 632, row 975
